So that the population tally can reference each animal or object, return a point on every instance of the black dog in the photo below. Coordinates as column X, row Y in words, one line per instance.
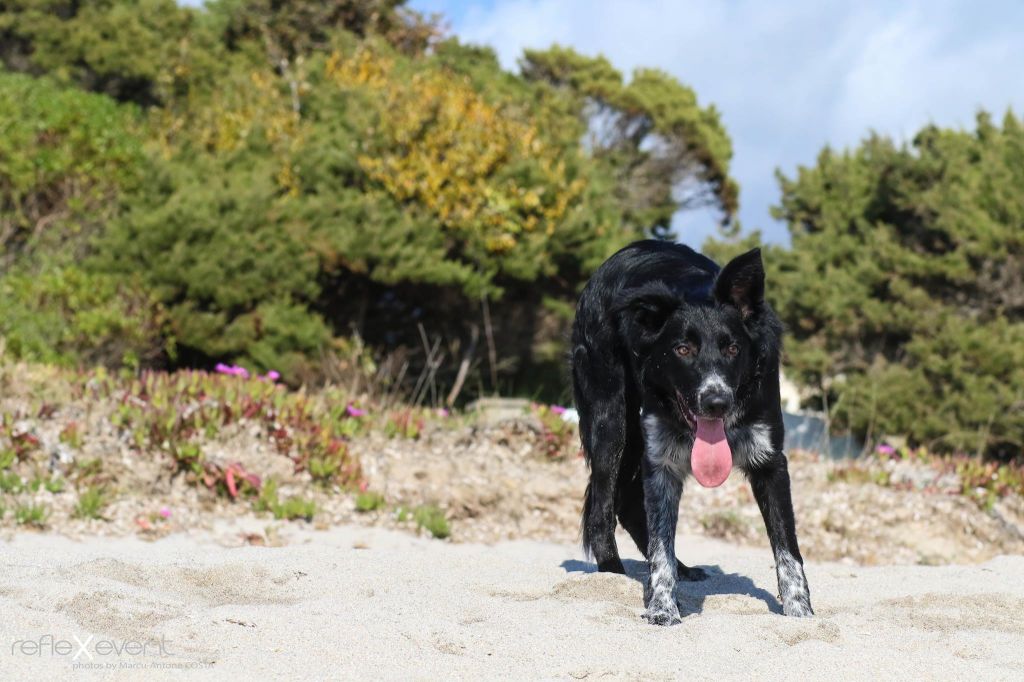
column 675, row 369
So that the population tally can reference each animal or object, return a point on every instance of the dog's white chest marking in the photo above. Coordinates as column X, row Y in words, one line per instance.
column 751, row 445
column 665, row 448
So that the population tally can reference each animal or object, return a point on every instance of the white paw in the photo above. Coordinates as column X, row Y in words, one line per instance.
column 798, row 608
column 663, row 614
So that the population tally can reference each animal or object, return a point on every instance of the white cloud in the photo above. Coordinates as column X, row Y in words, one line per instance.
column 788, row 77
column 909, row 74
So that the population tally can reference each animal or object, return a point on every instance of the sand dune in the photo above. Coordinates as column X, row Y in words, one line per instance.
column 369, row 603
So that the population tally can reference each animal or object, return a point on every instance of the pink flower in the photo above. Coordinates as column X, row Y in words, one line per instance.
column 355, row 411
column 273, row 375
column 885, row 449
column 557, row 409
column 165, row 512
column 442, row 412
column 232, row 370
column 363, row 485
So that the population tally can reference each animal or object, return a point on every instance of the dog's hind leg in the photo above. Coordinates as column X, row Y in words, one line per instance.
column 605, row 455
column 599, row 526
column 770, row 483
column 600, row 400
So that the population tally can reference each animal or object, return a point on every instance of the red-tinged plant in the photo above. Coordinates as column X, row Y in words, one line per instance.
column 556, row 434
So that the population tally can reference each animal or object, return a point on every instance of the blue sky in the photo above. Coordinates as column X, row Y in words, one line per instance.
column 788, row 77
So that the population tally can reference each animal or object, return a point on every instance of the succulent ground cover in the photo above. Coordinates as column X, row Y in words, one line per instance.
column 155, row 453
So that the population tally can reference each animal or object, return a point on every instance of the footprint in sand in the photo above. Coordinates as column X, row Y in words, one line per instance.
column 793, row 631
column 104, row 611
column 949, row 613
column 620, row 594
column 736, row 604
column 606, row 587
column 135, row 601
column 231, row 583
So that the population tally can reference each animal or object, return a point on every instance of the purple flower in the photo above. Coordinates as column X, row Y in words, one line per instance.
column 273, row 375
column 885, row 449
column 221, row 368
column 165, row 512
column 557, row 409
column 355, row 411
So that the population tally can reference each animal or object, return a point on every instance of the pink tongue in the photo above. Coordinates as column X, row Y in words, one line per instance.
column 711, row 457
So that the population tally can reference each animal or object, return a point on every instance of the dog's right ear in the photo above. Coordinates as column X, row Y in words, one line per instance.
column 648, row 306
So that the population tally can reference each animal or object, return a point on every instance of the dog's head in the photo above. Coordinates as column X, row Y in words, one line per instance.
column 698, row 353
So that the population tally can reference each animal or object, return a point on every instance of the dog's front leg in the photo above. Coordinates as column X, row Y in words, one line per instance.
column 662, row 490
column 770, row 483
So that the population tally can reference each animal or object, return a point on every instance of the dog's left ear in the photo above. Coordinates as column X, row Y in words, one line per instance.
column 741, row 283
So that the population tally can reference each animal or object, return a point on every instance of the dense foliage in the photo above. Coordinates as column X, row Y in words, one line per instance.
column 65, row 157
column 903, row 290
column 278, row 176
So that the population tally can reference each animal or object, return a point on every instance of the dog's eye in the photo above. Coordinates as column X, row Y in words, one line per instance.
column 684, row 350
column 732, row 350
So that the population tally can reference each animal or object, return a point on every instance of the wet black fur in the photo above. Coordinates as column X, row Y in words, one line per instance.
column 620, row 326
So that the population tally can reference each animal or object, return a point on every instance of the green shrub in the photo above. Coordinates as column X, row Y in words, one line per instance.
column 69, row 316
column 432, row 519
column 91, row 503
column 289, row 510
column 66, row 158
column 54, row 484
column 67, row 161
column 86, row 471
column 31, row 515
column 295, row 508
column 369, row 501
column 11, row 482
column 134, row 51
column 219, row 248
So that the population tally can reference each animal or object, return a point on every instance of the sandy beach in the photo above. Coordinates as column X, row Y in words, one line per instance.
column 354, row 602
column 911, row 575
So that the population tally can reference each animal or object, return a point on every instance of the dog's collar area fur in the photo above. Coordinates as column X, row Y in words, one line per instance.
column 669, row 446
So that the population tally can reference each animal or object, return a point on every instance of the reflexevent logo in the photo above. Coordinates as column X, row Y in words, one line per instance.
column 92, row 652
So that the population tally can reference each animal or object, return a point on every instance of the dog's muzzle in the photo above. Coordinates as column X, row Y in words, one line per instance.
column 715, row 403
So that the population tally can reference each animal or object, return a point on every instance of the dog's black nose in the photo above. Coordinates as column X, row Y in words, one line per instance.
column 715, row 404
